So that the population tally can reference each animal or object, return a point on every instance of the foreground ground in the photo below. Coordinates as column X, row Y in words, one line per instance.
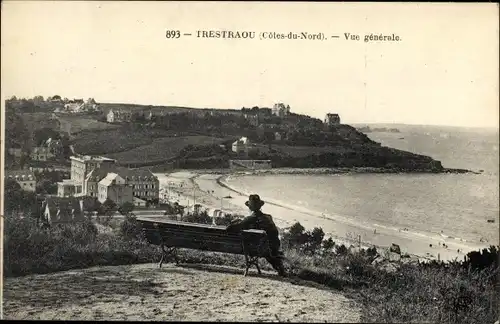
column 193, row 293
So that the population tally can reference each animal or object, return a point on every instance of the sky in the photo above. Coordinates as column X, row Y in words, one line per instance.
column 444, row 71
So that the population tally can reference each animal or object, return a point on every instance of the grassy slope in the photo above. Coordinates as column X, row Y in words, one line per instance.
column 411, row 293
column 162, row 149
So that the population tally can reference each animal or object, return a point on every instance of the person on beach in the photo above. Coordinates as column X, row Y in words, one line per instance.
column 259, row 220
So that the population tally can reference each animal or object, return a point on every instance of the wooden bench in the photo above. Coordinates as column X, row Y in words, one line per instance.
column 171, row 235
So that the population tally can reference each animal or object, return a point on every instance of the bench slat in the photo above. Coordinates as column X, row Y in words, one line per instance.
column 204, row 237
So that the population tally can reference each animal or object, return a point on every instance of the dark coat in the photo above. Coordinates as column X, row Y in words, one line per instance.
column 261, row 221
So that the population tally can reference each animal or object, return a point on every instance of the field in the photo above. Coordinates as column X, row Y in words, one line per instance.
column 162, row 149
column 39, row 120
column 78, row 123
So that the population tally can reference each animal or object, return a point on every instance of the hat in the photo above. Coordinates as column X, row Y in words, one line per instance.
column 255, row 200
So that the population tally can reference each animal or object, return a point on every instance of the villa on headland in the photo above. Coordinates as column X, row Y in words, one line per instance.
column 332, row 119
column 281, row 110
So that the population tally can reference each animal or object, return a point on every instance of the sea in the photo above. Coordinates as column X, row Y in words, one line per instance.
column 451, row 205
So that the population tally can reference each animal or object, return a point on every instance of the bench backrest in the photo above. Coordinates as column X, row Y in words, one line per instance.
column 205, row 237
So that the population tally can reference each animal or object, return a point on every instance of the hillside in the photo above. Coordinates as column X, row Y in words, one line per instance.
column 184, row 137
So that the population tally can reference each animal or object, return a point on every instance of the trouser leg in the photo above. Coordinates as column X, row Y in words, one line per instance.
column 277, row 264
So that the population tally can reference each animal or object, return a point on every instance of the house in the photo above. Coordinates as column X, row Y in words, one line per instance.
column 149, row 115
column 241, row 146
column 252, row 119
column 59, row 210
column 113, row 187
column 41, row 153
column 117, row 116
column 25, row 178
column 16, row 152
column 281, row 110
column 66, row 188
column 75, row 106
column 82, row 165
column 56, row 147
column 332, row 119
column 145, row 185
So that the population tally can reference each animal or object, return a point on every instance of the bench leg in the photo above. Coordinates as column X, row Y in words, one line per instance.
column 252, row 261
column 166, row 252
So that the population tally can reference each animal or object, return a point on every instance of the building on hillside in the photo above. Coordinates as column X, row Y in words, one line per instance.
column 55, row 147
column 252, row 119
column 145, row 185
column 75, row 106
column 281, row 110
column 332, row 119
column 82, row 165
column 113, row 187
column 16, row 151
column 66, row 188
column 25, row 178
column 60, row 210
column 41, row 153
column 249, row 164
column 241, row 146
column 148, row 115
column 118, row 116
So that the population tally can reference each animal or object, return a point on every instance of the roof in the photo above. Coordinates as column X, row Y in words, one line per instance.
column 21, row 175
column 133, row 174
column 91, row 158
column 139, row 200
column 243, row 140
column 98, row 174
column 109, row 179
column 63, row 208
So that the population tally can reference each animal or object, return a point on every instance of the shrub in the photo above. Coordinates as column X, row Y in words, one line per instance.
column 131, row 229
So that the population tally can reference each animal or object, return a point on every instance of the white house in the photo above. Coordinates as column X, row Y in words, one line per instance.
column 332, row 119
column 281, row 110
column 25, row 178
column 241, row 146
column 114, row 187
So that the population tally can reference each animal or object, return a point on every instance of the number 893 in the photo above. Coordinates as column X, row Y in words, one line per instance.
column 173, row 34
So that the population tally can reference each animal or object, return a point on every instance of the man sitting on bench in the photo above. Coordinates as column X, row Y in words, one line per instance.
column 261, row 221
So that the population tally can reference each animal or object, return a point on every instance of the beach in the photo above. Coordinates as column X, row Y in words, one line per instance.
column 211, row 190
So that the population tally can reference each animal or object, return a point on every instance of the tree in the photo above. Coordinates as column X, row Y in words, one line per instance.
column 45, row 187
column 108, row 207
column 126, row 208
column 18, row 200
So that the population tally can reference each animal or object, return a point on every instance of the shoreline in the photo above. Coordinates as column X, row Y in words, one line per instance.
column 324, row 170
column 211, row 191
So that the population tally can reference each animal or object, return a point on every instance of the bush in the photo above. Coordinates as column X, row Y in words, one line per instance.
column 131, row 229
column 201, row 218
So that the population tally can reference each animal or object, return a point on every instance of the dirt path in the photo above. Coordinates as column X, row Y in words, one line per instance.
column 194, row 293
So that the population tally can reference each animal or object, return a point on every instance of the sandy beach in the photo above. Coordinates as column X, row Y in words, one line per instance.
column 209, row 190
column 172, row 293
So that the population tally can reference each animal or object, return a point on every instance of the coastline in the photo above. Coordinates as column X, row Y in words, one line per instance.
column 326, row 170
column 211, row 190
